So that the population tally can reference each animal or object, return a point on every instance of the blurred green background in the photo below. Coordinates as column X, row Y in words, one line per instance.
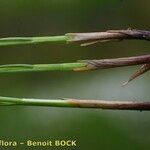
column 92, row 128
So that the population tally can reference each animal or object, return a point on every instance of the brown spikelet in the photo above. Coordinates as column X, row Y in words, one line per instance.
column 144, row 68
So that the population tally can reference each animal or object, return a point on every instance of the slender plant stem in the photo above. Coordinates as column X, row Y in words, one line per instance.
column 39, row 67
column 76, row 103
column 30, row 40
column 82, row 65
column 89, row 38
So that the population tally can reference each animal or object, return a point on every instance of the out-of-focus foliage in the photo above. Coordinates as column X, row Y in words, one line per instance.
column 93, row 129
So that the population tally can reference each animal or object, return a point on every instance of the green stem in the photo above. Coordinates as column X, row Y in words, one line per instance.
column 30, row 40
column 76, row 103
column 40, row 67
column 81, row 65
column 88, row 38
